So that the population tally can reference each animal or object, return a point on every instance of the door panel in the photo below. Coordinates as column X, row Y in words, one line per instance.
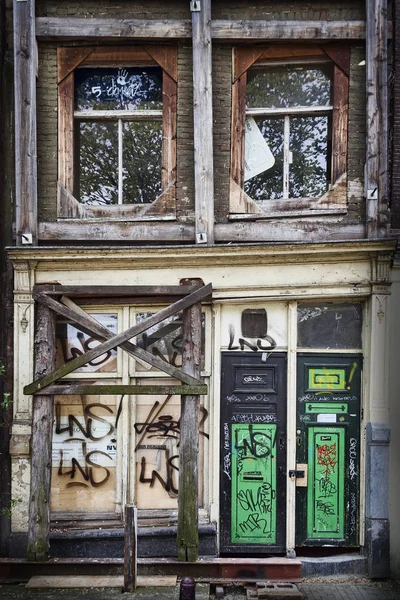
column 328, row 443
column 253, row 440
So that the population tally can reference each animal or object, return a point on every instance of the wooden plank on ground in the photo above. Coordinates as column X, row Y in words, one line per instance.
column 96, row 581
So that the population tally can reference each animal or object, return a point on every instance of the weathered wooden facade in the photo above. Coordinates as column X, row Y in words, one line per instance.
column 202, row 255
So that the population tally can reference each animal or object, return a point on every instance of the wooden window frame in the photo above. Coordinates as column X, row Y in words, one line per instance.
column 334, row 201
column 68, row 59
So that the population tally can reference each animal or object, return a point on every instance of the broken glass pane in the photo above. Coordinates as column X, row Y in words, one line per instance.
column 127, row 88
column 308, row 143
column 268, row 185
column 287, row 86
column 142, row 150
column 98, row 164
column 329, row 326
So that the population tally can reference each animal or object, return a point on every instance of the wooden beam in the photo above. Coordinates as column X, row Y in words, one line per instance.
column 110, row 29
column 203, row 124
column 287, row 30
column 82, row 389
column 376, row 167
column 69, row 28
column 42, row 434
column 112, row 291
column 187, row 532
column 90, row 326
column 196, row 296
column 109, row 231
column 25, row 64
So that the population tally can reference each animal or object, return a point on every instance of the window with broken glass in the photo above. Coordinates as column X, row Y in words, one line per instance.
column 288, row 128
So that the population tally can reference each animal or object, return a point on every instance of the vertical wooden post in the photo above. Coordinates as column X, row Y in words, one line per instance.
column 25, row 58
column 41, row 443
column 376, row 167
column 203, row 120
column 187, row 535
column 130, row 549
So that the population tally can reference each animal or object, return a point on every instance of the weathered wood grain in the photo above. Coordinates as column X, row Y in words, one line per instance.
column 130, row 549
column 187, row 533
column 376, row 168
column 42, row 434
column 25, row 122
column 340, row 119
column 109, row 231
column 245, row 30
column 65, row 141
column 90, row 326
column 78, row 389
column 203, row 124
column 116, row 340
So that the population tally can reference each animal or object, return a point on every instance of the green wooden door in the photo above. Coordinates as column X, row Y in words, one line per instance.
column 253, row 451
column 328, row 443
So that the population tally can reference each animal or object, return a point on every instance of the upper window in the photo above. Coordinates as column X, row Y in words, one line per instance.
column 117, row 132
column 289, row 133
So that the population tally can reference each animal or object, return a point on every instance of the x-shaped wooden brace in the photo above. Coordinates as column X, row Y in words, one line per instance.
column 89, row 325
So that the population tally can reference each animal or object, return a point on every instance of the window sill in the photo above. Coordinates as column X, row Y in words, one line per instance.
column 287, row 213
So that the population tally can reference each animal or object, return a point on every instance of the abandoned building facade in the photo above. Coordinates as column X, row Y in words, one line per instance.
column 202, row 253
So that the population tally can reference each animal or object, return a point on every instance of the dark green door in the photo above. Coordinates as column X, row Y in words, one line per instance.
column 328, row 444
column 253, row 452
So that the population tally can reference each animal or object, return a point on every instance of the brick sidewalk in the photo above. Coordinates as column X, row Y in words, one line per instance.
column 351, row 590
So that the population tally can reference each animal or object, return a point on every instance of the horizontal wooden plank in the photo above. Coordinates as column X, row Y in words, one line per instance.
column 78, row 389
column 287, row 30
column 196, row 296
column 72, row 27
column 113, row 291
column 153, row 229
column 318, row 229
column 75, row 27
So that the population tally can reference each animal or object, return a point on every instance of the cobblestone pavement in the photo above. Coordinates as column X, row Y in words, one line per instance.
column 312, row 589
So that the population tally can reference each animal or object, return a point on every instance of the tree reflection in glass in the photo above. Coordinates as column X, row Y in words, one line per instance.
column 119, row 155
column 288, row 103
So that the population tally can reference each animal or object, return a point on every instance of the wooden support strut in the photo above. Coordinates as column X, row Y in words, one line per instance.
column 42, row 433
column 130, row 549
column 203, row 124
column 187, row 533
column 25, row 122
